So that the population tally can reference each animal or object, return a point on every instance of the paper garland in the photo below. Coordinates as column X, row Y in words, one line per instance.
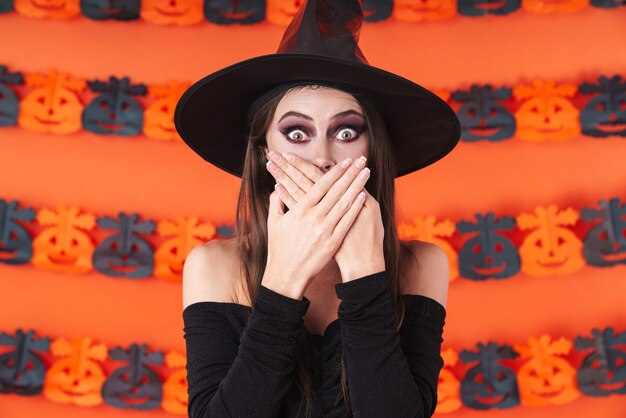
column 540, row 111
column 280, row 12
column 548, row 242
column 536, row 373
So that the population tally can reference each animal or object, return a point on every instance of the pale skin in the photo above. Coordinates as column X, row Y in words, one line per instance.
column 323, row 128
column 329, row 235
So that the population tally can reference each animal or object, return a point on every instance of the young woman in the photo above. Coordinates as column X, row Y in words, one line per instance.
column 315, row 308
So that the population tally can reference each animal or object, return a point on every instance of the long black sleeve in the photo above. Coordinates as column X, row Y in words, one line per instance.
column 242, row 370
column 389, row 373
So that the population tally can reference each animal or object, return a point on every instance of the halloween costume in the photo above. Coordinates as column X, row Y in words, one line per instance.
column 241, row 360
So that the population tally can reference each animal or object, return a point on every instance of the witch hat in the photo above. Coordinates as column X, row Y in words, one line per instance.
column 320, row 44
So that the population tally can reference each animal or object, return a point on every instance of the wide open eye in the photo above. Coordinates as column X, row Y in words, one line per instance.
column 296, row 135
column 348, row 134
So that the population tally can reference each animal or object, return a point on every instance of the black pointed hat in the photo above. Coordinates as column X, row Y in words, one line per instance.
column 320, row 44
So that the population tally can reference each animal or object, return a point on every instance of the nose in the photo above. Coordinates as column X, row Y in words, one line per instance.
column 322, row 156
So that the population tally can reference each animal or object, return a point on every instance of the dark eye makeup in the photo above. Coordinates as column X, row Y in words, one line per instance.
column 359, row 129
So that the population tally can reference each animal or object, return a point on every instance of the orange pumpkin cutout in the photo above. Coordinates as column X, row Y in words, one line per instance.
column 449, row 387
column 426, row 10
column 172, row 12
column 52, row 9
column 159, row 116
column 550, row 249
column 280, row 12
column 427, row 229
column 76, row 379
column 551, row 6
column 546, row 379
column 547, row 113
column 53, row 106
column 170, row 256
column 175, row 387
column 63, row 246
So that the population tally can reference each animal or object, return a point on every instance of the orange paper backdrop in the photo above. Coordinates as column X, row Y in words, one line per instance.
column 162, row 180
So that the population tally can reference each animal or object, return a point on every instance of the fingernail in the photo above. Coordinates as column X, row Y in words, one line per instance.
column 271, row 166
column 274, row 156
column 365, row 172
column 360, row 162
column 289, row 157
column 346, row 163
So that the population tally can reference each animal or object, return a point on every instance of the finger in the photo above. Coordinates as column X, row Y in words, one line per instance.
column 344, row 224
column 310, row 170
column 356, row 171
column 345, row 201
column 321, row 187
column 285, row 196
column 276, row 208
column 296, row 175
column 282, row 178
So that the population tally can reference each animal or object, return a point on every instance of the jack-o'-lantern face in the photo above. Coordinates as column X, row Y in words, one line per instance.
column 230, row 11
column 114, row 110
column 448, row 399
column 486, row 7
column 172, row 12
column 488, row 254
column 546, row 378
column 171, row 255
column 489, row 384
column 21, row 370
column 134, row 386
column 175, row 388
column 428, row 10
column 64, row 247
column 6, row 6
column 603, row 372
column 547, row 114
column 376, row 10
column 110, row 9
column 53, row 106
column 53, row 9
column 554, row 6
column 281, row 12
column 9, row 103
column 605, row 243
column 605, row 114
column 77, row 378
column 482, row 117
column 550, row 249
column 125, row 254
column 16, row 246
column 159, row 116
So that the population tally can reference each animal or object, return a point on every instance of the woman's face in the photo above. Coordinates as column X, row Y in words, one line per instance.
column 321, row 125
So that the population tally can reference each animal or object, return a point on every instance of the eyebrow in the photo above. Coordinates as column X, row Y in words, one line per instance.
column 338, row 115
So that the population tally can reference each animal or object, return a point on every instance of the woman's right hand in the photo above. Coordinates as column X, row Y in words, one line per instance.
column 302, row 241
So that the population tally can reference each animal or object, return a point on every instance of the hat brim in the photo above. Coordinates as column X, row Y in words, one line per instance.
column 211, row 115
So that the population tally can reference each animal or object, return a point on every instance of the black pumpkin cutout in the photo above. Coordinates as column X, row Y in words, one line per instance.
column 488, row 254
column 226, row 12
column 489, row 384
column 125, row 253
column 9, row 103
column 114, row 111
column 603, row 372
column 481, row 116
column 16, row 246
column 134, row 386
column 605, row 243
column 605, row 114
column 22, row 371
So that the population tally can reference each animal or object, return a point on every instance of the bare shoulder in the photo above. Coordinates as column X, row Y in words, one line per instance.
column 211, row 273
column 431, row 275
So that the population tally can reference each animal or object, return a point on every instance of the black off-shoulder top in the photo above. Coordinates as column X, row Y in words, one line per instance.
column 241, row 360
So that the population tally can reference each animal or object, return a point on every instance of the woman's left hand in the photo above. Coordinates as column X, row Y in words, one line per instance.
column 361, row 252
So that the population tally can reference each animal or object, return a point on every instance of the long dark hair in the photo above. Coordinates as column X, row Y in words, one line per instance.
column 252, row 211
